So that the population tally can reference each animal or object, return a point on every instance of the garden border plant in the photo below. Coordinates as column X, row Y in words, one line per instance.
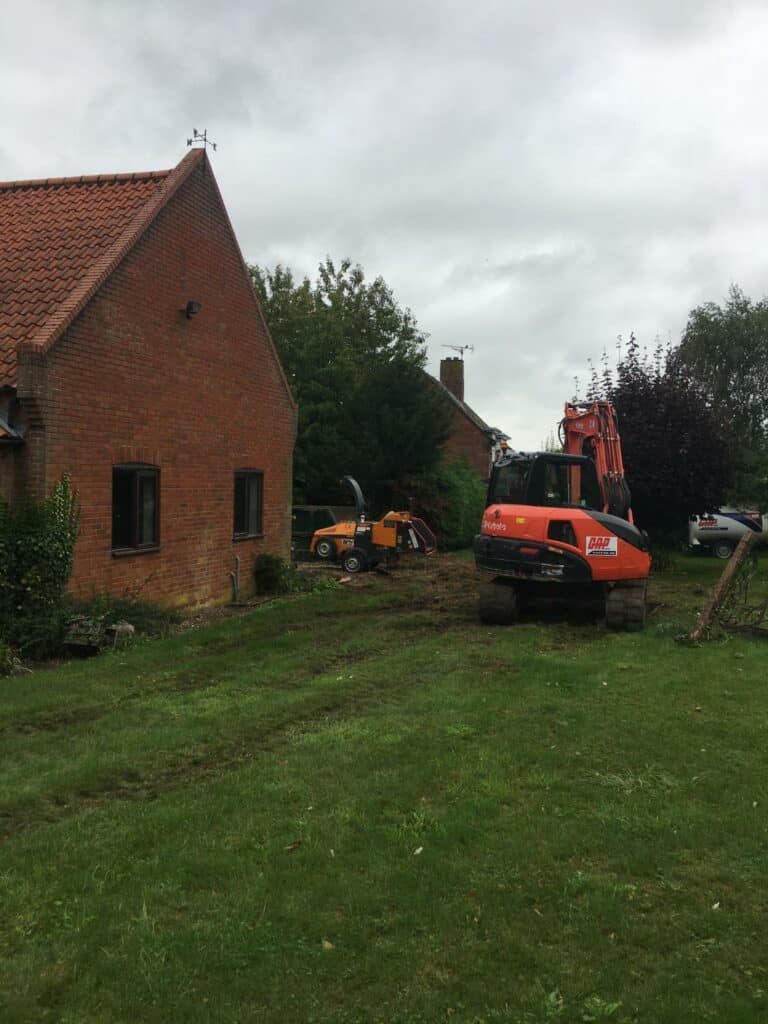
column 274, row 576
column 37, row 543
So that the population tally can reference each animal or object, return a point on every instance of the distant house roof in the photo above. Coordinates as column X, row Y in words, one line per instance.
column 493, row 433
column 60, row 238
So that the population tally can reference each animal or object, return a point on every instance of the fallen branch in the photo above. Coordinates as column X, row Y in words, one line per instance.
column 722, row 589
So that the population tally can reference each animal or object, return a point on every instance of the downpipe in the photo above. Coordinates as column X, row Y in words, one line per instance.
column 235, row 579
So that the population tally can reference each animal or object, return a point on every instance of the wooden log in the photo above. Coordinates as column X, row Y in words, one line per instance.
column 723, row 585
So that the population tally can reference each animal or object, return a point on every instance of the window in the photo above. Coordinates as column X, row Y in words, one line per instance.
column 135, row 508
column 556, row 484
column 561, row 483
column 508, row 484
column 249, row 495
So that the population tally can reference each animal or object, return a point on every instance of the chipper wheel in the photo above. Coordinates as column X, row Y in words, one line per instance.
column 325, row 549
column 498, row 603
column 625, row 606
column 354, row 560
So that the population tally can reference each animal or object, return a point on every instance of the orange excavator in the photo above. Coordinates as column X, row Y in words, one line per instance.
column 565, row 519
column 359, row 544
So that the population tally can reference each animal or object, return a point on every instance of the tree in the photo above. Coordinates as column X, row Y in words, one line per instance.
column 355, row 362
column 451, row 498
column 726, row 348
column 676, row 440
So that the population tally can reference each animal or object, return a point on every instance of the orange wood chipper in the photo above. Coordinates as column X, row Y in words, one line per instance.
column 359, row 544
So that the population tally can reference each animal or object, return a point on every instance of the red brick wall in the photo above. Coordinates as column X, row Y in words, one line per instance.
column 469, row 442
column 134, row 380
column 7, row 472
column 452, row 375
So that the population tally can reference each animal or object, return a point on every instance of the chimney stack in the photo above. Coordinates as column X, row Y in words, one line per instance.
column 452, row 375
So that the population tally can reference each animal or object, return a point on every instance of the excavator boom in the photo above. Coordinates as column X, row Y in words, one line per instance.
column 592, row 429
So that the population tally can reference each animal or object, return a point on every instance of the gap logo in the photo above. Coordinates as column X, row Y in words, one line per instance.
column 608, row 546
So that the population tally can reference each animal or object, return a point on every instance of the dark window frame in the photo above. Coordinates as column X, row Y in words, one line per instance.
column 136, row 472
column 244, row 517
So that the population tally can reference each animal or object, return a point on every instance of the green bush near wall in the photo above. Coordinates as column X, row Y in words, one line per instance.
column 37, row 542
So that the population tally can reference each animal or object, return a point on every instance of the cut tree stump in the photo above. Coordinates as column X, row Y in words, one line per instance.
column 720, row 592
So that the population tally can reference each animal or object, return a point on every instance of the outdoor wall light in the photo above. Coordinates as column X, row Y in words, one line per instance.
column 191, row 309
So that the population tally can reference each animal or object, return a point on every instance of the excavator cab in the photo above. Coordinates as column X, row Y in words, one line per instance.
column 545, row 479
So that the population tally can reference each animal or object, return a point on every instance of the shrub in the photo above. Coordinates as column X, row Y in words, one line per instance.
column 662, row 558
column 37, row 542
column 273, row 575
column 451, row 498
column 7, row 659
column 148, row 619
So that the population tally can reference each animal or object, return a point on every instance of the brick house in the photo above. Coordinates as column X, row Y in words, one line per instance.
column 471, row 438
column 135, row 356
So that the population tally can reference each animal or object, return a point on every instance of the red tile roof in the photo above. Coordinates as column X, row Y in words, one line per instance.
column 60, row 238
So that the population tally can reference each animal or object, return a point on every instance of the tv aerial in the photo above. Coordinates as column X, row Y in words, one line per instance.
column 201, row 137
column 461, row 349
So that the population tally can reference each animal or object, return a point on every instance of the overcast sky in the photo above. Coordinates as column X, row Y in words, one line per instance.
column 531, row 178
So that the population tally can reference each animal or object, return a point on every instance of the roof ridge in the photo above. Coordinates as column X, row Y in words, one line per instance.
column 115, row 253
column 83, row 179
column 464, row 407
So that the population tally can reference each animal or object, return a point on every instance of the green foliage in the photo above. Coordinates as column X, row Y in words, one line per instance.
column 7, row 659
column 451, row 499
column 37, row 543
column 273, row 575
column 149, row 620
column 676, row 440
column 662, row 555
column 355, row 362
column 726, row 348
column 314, row 583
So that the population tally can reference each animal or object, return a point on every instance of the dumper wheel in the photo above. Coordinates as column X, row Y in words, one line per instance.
column 354, row 561
column 723, row 549
column 325, row 549
column 625, row 606
column 498, row 603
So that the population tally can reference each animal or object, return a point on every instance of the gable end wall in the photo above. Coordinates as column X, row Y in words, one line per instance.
column 134, row 380
column 469, row 442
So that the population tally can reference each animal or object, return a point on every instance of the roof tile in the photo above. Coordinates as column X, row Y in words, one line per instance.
column 55, row 236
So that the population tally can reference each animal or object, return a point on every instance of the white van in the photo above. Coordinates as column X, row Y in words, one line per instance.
column 721, row 530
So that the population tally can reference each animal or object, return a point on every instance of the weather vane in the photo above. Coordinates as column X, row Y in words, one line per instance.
column 461, row 349
column 201, row 137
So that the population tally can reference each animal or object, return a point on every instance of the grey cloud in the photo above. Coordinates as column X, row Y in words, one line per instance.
column 530, row 177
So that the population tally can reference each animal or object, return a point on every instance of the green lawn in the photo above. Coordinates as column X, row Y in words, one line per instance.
column 363, row 806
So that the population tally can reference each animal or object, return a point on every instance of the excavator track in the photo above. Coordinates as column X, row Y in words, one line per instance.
column 625, row 606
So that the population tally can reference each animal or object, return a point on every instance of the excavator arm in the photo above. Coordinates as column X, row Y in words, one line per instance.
column 592, row 429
